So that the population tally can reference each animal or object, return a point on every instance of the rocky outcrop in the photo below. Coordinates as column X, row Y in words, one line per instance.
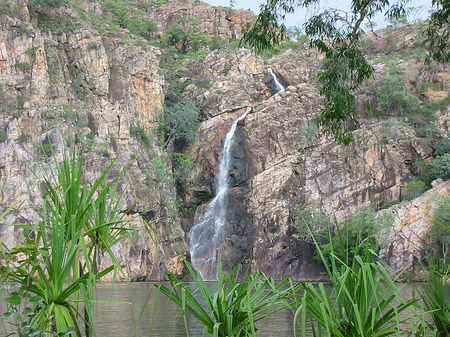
column 77, row 88
column 412, row 220
column 213, row 21
column 287, row 161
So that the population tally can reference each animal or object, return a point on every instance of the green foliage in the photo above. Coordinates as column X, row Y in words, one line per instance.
column 3, row 136
column 182, row 165
column 218, row 42
column 58, row 260
column 230, row 307
column 308, row 132
column 70, row 112
column 437, row 302
column 388, row 204
column 203, row 84
column 393, row 96
column 437, row 238
column 359, row 234
column 23, row 138
column 23, row 66
column 414, row 189
column 138, row 131
column 337, row 35
column 185, row 37
column 363, row 300
column 441, row 166
column 399, row 21
column 313, row 222
column 46, row 150
column 350, row 238
column 123, row 14
column 48, row 21
column 31, row 51
column 50, row 3
column 424, row 172
column 180, row 123
column 437, row 32
column 442, row 146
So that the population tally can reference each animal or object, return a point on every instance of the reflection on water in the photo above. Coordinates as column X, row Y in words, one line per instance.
column 137, row 309
column 160, row 317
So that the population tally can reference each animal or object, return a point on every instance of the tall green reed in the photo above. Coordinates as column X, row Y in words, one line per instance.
column 234, row 304
column 437, row 303
column 434, row 297
column 361, row 301
column 80, row 222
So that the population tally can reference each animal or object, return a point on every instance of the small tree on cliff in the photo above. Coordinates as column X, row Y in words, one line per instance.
column 180, row 123
column 337, row 34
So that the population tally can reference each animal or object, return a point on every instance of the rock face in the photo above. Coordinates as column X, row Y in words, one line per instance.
column 214, row 21
column 287, row 162
column 412, row 221
column 80, row 87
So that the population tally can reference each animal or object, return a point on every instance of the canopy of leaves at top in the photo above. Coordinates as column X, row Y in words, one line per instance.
column 337, row 35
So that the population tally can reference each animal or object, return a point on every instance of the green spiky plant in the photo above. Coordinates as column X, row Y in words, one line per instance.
column 80, row 222
column 437, row 303
column 434, row 297
column 232, row 306
column 363, row 300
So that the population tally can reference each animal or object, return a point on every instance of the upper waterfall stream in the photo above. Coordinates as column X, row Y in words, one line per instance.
column 204, row 241
column 278, row 85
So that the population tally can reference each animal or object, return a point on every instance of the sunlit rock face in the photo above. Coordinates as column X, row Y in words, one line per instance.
column 412, row 221
column 80, row 87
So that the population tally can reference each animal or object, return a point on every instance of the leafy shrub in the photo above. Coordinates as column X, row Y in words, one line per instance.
column 180, row 123
column 441, row 166
column 347, row 239
column 3, row 136
column 185, row 37
column 313, row 222
column 50, row 3
column 414, row 189
column 23, row 66
column 359, row 234
column 424, row 171
column 393, row 96
column 437, row 238
column 31, row 51
column 388, row 204
column 122, row 14
column 182, row 164
column 138, row 131
column 442, row 146
column 309, row 131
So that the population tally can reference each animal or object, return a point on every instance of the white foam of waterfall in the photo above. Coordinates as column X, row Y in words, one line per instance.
column 278, row 85
column 204, row 237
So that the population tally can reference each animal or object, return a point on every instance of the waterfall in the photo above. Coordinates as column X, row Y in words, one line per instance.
column 278, row 85
column 204, row 240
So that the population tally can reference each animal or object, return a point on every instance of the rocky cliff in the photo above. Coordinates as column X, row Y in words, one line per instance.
column 65, row 78
column 78, row 86
column 281, row 160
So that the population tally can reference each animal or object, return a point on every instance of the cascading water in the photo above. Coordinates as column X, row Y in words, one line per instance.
column 204, row 240
column 278, row 85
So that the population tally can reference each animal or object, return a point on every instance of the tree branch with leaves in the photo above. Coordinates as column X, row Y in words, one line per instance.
column 337, row 35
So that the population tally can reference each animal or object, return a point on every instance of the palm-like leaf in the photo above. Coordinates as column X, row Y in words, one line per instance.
column 231, row 307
